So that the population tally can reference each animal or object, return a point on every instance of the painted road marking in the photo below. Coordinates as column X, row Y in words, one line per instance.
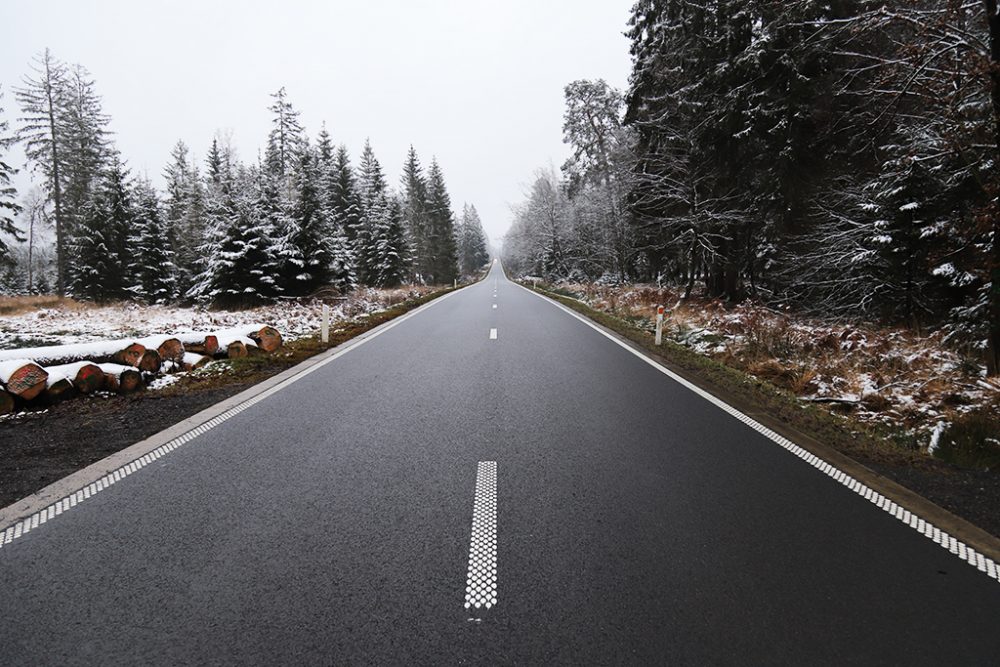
column 481, row 580
column 977, row 560
column 494, row 306
column 493, row 334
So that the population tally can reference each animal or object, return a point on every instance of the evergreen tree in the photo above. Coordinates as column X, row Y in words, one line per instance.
column 184, row 212
column 472, row 246
column 285, row 140
column 308, row 263
column 339, row 210
column 441, row 226
column 8, row 194
column 101, row 240
column 415, row 219
column 43, row 100
column 86, row 146
column 151, row 266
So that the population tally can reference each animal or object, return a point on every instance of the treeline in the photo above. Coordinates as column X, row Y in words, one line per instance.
column 841, row 157
column 298, row 222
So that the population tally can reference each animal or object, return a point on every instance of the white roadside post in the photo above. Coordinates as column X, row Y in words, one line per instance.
column 659, row 324
column 324, row 327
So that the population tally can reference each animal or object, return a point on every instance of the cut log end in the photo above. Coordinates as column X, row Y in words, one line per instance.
column 131, row 355
column 28, row 381
column 89, row 378
column 59, row 390
column 267, row 338
column 171, row 350
column 236, row 350
column 149, row 362
column 209, row 346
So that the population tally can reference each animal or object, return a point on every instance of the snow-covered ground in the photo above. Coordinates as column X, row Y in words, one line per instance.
column 877, row 374
column 69, row 325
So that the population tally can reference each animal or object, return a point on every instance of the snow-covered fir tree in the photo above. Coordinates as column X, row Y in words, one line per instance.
column 152, row 272
column 473, row 252
column 100, row 242
column 441, row 228
column 8, row 194
column 415, row 219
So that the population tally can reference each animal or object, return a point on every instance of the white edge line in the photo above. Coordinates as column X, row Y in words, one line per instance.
column 981, row 562
column 23, row 525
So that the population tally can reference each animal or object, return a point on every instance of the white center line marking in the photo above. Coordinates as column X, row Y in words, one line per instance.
column 481, row 581
column 494, row 306
column 493, row 334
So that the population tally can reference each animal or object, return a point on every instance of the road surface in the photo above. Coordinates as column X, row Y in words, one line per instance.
column 622, row 518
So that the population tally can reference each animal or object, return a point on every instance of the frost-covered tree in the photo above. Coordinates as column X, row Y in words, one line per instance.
column 307, row 262
column 441, row 228
column 286, row 138
column 150, row 256
column 414, row 205
column 339, row 210
column 472, row 246
column 184, row 215
column 43, row 100
column 8, row 194
column 100, row 242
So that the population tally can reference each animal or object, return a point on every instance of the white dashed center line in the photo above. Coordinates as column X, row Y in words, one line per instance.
column 494, row 306
column 481, row 581
column 493, row 334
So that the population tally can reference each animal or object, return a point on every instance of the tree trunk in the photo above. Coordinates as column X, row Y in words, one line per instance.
column 194, row 361
column 89, row 378
column 122, row 379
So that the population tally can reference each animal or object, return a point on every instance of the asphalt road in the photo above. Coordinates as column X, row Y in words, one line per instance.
column 636, row 523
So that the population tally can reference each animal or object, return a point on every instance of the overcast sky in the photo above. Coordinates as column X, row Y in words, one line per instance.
column 477, row 84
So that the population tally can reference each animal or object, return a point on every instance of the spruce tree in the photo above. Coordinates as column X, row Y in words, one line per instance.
column 101, row 240
column 151, row 266
column 307, row 265
column 184, row 215
column 8, row 194
column 285, row 139
column 43, row 100
column 415, row 217
column 441, row 225
column 337, row 197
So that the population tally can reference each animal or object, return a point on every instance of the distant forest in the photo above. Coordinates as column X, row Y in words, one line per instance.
column 840, row 157
column 301, row 221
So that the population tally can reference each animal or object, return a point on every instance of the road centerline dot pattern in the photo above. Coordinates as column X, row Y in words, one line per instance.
column 481, row 579
column 493, row 334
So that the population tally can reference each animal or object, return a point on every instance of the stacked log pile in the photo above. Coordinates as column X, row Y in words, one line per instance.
column 57, row 372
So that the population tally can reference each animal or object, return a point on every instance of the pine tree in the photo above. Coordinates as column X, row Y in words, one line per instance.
column 101, row 240
column 472, row 247
column 43, row 101
column 339, row 210
column 285, row 140
column 184, row 213
column 308, row 261
column 441, row 225
column 150, row 255
column 8, row 194
column 86, row 146
column 415, row 218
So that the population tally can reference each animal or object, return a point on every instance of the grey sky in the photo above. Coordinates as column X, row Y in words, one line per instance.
column 478, row 84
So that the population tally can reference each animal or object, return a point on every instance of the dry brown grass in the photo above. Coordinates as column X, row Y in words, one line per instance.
column 18, row 305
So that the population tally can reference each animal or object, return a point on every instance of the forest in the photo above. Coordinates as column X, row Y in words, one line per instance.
column 837, row 158
column 300, row 221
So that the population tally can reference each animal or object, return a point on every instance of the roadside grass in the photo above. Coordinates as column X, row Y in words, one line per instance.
column 16, row 305
column 767, row 402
